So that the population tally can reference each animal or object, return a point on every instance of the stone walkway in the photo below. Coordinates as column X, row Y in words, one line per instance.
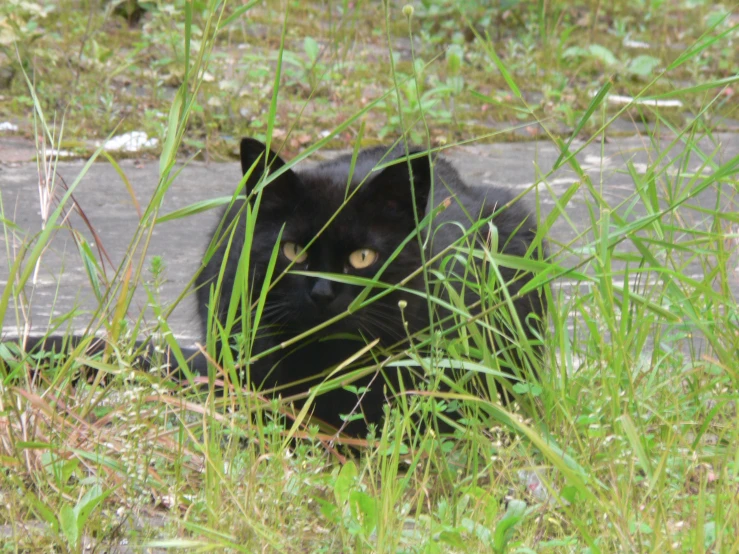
column 62, row 282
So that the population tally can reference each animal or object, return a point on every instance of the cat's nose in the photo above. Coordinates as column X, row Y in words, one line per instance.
column 322, row 292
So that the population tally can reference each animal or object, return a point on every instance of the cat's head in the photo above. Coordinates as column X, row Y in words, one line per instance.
column 339, row 217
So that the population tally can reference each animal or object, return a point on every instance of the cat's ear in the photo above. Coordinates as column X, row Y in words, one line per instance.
column 392, row 187
column 280, row 189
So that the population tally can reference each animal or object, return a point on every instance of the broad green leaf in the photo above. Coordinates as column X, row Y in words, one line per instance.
column 364, row 510
column 68, row 525
column 574, row 51
column 603, row 54
column 89, row 501
column 503, row 531
column 643, row 65
column 311, row 49
column 345, row 482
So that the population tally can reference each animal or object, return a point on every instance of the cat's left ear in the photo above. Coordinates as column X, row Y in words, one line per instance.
column 391, row 187
column 279, row 192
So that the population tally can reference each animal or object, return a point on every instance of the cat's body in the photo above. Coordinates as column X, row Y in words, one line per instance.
column 367, row 230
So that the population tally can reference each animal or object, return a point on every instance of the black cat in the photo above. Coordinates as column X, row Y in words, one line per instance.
column 319, row 235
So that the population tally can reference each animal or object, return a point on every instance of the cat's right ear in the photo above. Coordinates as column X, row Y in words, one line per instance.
column 283, row 187
column 390, row 190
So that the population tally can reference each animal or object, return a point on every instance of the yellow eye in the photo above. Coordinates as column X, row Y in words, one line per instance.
column 294, row 252
column 362, row 258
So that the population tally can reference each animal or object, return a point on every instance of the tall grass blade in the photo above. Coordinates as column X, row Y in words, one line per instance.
column 594, row 105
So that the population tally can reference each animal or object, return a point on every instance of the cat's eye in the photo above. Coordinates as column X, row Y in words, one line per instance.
column 365, row 257
column 294, row 252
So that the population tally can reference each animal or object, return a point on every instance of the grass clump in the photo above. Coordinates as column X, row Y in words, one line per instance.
column 625, row 443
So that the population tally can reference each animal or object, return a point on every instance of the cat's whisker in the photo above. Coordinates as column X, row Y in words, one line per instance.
column 380, row 322
column 394, row 320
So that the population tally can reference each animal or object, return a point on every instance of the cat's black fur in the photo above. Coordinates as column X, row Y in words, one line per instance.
column 379, row 216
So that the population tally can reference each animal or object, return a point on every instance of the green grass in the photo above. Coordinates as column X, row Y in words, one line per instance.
column 119, row 76
column 626, row 444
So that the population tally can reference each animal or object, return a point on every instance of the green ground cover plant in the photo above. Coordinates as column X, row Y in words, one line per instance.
column 105, row 70
column 626, row 443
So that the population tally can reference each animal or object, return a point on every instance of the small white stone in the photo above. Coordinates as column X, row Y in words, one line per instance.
column 130, row 142
column 629, row 43
column 623, row 100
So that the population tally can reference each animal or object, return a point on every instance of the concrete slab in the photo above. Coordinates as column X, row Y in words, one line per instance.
column 62, row 283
